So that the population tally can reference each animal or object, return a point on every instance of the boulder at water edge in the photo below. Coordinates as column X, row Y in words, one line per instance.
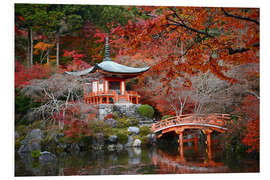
column 113, row 139
column 133, row 130
column 137, row 143
column 31, row 142
column 46, row 157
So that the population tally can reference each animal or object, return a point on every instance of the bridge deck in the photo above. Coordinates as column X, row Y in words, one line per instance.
column 212, row 121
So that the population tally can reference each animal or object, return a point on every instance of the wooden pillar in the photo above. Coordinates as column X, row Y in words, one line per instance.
column 124, row 87
column 107, row 99
column 209, row 143
column 104, row 86
column 101, row 100
column 137, row 100
column 196, row 140
column 181, row 143
column 97, row 87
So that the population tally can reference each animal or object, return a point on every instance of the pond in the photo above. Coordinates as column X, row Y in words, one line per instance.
column 147, row 160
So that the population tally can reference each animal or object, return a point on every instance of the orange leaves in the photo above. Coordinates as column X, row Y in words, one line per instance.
column 42, row 46
column 250, row 106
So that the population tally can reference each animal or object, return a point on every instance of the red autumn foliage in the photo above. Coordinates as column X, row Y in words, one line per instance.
column 77, row 62
column 109, row 116
column 250, row 106
column 23, row 75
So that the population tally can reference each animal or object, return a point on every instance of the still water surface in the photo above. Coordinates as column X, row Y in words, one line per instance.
column 152, row 160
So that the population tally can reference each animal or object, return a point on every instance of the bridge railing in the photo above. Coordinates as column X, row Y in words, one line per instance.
column 212, row 119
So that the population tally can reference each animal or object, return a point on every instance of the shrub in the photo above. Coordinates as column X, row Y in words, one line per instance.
column 122, row 137
column 146, row 110
column 132, row 121
column 122, row 122
column 144, row 140
column 35, row 154
column 144, row 130
column 166, row 116
column 98, row 126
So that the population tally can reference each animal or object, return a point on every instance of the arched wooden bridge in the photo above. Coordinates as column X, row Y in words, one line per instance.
column 217, row 122
column 178, row 124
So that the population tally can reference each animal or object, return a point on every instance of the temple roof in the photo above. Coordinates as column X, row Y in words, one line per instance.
column 108, row 65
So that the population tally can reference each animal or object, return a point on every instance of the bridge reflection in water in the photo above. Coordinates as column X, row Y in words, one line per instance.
column 195, row 162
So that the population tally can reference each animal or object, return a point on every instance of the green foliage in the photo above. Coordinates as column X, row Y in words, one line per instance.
column 122, row 122
column 98, row 126
column 144, row 140
column 144, row 130
column 22, row 105
column 22, row 129
column 36, row 124
column 122, row 137
column 18, row 142
column 132, row 121
column 146, row 110
column 35, row 154
column 166, row 116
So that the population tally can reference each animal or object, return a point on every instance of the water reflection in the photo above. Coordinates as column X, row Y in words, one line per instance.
column 177, row 164
column 167, row 160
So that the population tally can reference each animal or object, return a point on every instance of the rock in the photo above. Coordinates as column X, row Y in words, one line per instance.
column 62, row 146
column 130, row 141
column 111, row 147
column 119, row 147
column 97, row 147
column 133, row 130
column 35, row 146
column 100, row 138
column 81, row 144
column 23, row 148
column 151, row 138
column 35, row 135
column 137, row 143
column 113, row 139
column 31, row 142
column 74, row 148
column 46, row 157
column 126, row 109
column 58, row 136
column 112, row 122
column 16, row 135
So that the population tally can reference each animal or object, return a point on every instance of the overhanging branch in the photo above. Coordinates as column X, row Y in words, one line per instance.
column 240, row 17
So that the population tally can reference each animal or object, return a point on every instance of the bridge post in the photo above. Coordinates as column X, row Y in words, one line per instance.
column 209, row 152
column 196, row 140
column 181, row 142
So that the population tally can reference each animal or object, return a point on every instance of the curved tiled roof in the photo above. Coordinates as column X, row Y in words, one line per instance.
column 108, row 65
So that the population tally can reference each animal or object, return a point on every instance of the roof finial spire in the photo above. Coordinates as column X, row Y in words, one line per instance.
column 107, row 50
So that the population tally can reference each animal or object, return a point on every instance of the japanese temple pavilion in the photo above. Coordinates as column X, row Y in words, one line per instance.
column 111, row 88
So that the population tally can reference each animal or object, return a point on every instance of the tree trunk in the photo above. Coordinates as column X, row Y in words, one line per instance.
column 48, row 56
column 30, row 47
column 57, row 49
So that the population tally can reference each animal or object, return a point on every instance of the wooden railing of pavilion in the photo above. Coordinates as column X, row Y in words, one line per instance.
column 110, row 97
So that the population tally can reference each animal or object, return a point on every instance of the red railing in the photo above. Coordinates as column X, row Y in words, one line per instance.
column 98, row 97
column 219, row 120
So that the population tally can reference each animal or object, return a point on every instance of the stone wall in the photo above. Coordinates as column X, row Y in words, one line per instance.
column 128, row 109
